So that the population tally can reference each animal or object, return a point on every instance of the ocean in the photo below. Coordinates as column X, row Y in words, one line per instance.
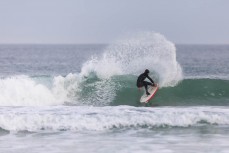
column 83, row 98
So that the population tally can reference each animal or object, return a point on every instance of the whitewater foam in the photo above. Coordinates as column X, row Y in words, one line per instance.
column 23, row 91
column 71, row 89
column 79, row 118
column 26, row 91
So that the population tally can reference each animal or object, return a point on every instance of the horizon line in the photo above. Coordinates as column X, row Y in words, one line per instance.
column 103, row 43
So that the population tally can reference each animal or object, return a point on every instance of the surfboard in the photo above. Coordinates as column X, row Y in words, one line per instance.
column 146, row 98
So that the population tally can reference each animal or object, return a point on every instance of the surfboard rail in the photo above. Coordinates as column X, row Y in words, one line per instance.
column 146, row 98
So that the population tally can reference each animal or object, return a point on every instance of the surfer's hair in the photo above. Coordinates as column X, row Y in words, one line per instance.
column 146, row 71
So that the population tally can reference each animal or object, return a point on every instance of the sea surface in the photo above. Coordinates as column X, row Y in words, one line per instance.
column 83, row 98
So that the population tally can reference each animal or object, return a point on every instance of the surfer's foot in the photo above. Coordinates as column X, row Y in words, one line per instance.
column 147, row 93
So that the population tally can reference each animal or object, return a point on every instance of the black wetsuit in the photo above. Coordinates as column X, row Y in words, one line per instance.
column 141, row 82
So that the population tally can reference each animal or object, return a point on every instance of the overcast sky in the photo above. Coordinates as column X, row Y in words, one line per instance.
column 103, row 21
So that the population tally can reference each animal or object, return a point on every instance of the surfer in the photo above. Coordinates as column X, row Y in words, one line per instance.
column 141, row 82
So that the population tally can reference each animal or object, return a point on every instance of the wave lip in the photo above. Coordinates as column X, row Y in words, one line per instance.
column 82, row 118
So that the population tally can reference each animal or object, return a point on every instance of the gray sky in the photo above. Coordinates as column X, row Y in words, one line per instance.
column 103, row 21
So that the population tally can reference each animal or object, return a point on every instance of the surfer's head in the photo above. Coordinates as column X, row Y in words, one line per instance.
column 147, row 71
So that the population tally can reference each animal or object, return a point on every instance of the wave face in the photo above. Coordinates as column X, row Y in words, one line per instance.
column 105, row 118
column 189, row 92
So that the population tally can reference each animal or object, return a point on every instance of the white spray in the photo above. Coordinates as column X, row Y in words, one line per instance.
column 147, row 50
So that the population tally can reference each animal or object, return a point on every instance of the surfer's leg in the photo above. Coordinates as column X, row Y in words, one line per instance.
column 145, row 83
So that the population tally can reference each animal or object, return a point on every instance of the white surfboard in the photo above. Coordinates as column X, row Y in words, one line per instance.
column 152, row 90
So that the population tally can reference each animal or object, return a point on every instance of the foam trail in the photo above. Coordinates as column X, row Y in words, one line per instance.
column 136, row 53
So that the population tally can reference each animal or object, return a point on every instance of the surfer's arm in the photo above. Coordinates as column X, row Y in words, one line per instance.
column 151, row 80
